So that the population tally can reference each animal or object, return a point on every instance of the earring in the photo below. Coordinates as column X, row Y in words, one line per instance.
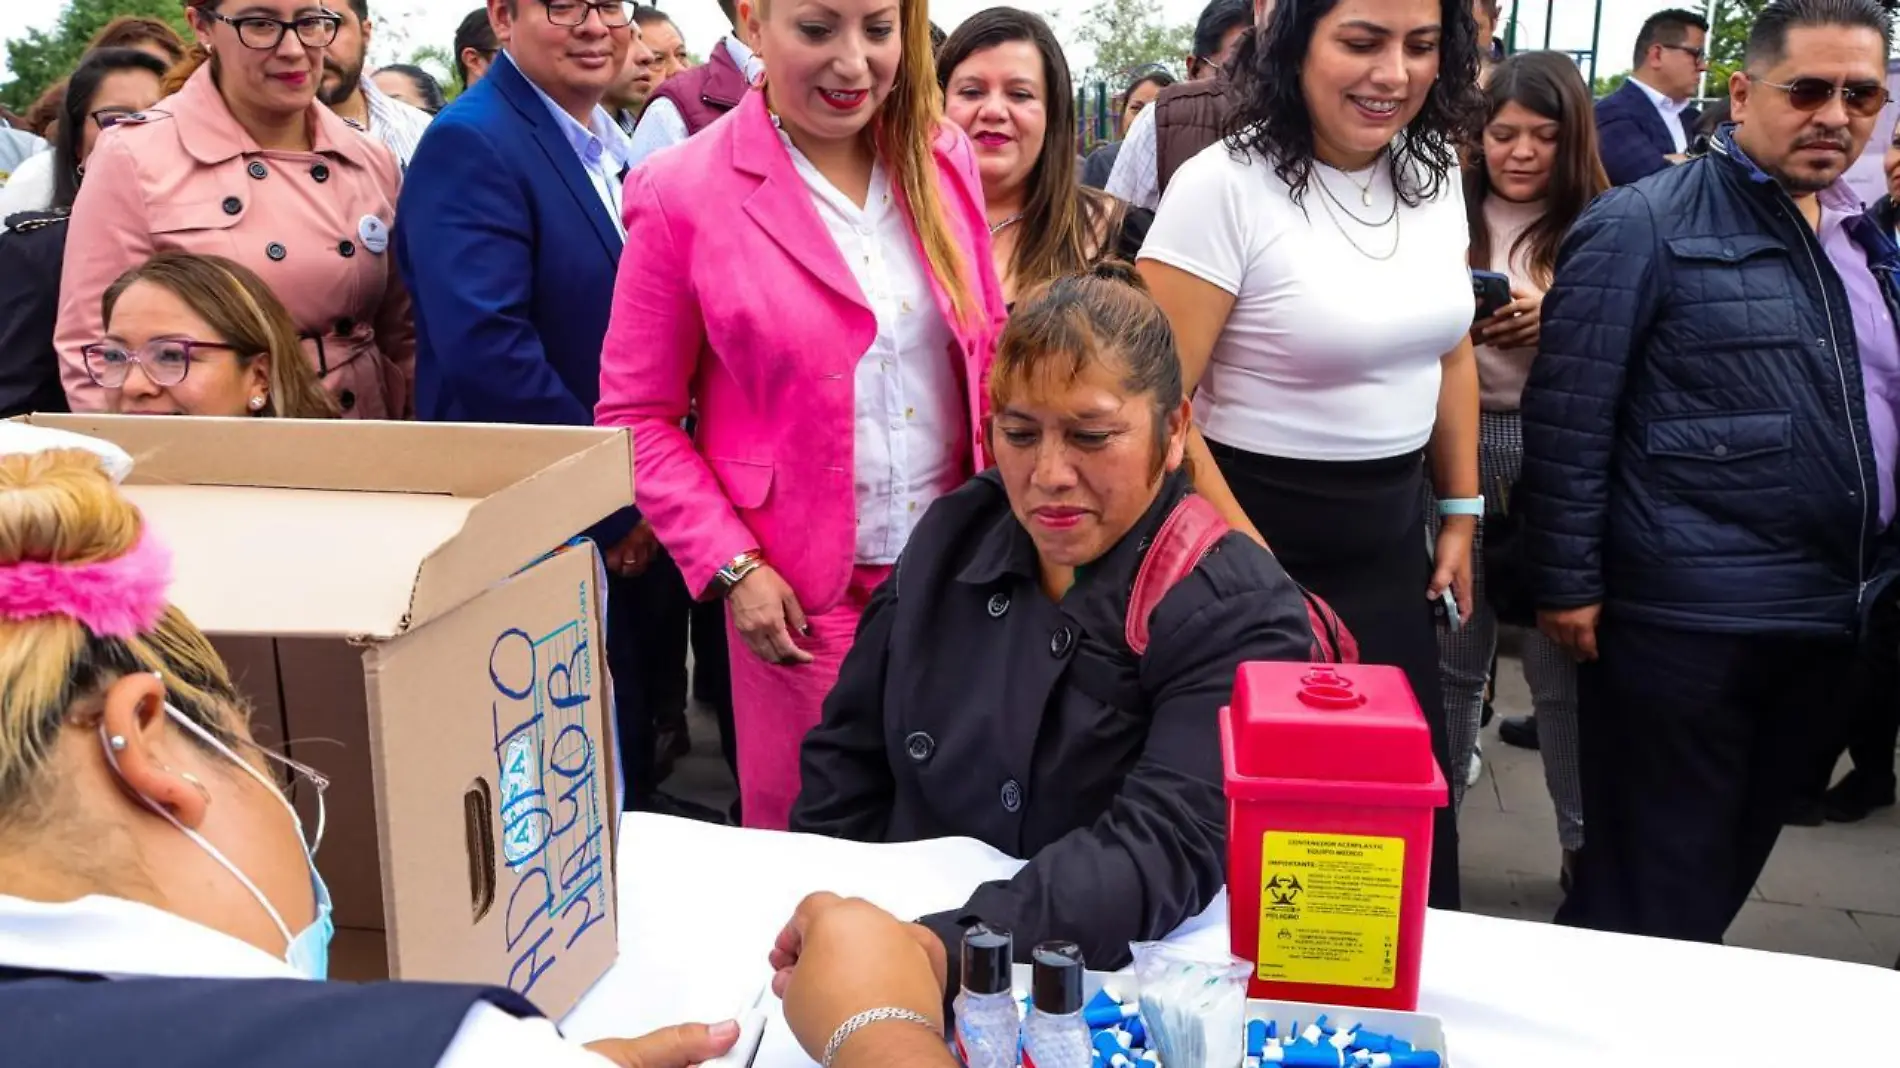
column 117, row 742
column 257, row 404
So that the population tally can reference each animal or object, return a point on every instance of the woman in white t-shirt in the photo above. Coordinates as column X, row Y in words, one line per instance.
column 1537, row 170
column 1313, row 268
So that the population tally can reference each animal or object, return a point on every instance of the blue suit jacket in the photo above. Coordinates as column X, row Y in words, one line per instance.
column 510, row 257
column 1634, row 137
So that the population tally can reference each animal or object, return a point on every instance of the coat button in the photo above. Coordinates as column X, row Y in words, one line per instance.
column 920, row 746
column 344, row 327
column 346, row 249
column 275, row 251
column 999, row 603
column 258, row 170
column 346, row 400
column 1721, row 450
column 1012, row 796
column 320, row 172
column 233, row 205
column 1060, row 641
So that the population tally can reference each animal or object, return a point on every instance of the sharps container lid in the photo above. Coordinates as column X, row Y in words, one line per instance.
column 1056, row 978
column 988, row 952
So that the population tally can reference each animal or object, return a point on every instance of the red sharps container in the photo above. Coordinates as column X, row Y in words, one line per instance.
column 1331, row 784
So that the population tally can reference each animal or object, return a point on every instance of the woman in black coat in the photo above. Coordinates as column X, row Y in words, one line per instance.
column 108, row 85
column 992, row 690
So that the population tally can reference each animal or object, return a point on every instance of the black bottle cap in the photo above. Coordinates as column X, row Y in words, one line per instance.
column 1056, row 978
column 988, row 952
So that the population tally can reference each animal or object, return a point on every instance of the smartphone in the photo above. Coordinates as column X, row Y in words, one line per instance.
column 1445, row 610
column 1492, row 291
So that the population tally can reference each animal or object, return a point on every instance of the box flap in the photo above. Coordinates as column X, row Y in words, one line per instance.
column 327, row 528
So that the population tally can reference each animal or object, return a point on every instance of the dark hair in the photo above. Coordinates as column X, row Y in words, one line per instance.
column 1061, row 220
column 731, row 10
column 1217, row 20
column 361, row 8
column 427, row 87
column 937, row 38
column 1075, row 321
column 1670, row 27
column 1272, row 119
column 1549, row 85
column 1768, row 38
column 474, row 32
column 43, row 116
column 1159, row 77
column 130, row 31
column 648, row 15
column 76, row 111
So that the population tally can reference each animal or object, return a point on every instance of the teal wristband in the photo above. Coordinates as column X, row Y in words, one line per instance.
column 1473, row 506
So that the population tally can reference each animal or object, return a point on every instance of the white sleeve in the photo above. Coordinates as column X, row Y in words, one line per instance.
column 660, row 126
column 490, row 1038
column 1133, row 177
column 30, row 188
column 1202, row 228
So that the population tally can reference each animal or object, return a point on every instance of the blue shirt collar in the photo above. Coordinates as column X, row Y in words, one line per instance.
column 1838, row 197
column 601, row 144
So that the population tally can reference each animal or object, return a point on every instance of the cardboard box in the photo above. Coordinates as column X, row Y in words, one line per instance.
column 385, row 595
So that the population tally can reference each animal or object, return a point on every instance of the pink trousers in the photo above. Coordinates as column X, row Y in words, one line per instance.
column 774, row 706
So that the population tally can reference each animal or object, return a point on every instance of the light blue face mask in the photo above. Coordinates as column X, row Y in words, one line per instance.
column 308, row 951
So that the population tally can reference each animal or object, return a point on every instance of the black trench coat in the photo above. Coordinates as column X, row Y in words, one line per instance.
column 971, row 704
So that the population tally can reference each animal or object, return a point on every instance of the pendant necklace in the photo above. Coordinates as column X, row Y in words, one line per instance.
column 1006, row 224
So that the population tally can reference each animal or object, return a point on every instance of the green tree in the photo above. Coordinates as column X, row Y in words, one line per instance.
column 1609, row 84
column 1728, row 38
column 436, row 60
column 41, row 57
column 1127, row 34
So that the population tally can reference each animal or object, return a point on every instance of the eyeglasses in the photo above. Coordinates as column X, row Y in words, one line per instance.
column 1696, row 54
column 107, row 118
column 1861, row 99
column 164, row 362
column 264, row 33
column 613, row 13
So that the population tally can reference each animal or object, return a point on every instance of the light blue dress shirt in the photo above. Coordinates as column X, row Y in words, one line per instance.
column 602, row 147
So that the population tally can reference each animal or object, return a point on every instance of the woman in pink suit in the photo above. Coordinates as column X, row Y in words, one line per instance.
column 815, row 283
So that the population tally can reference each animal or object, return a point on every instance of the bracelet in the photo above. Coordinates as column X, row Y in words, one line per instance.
column 865, row 1019
column 1472, row 506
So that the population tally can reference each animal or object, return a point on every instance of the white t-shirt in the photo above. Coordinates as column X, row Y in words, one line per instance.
column 1329, row 353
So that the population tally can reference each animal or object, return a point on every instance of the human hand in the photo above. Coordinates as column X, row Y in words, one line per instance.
column 765, row 611
column 634, row 552
column 1517, row 325
column 839, row 957
column 1573, row 628
column 670, row 1047
column 1453, row 561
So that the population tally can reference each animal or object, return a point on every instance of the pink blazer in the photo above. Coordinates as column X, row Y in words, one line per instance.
column 740, row 308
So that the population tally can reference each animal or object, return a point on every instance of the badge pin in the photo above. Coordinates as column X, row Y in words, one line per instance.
column 373, row 233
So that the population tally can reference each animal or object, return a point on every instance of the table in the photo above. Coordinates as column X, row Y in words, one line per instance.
column 700, row 905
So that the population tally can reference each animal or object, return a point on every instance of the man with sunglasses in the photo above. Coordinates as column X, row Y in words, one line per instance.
column 1647, row 124
column 1710, row 443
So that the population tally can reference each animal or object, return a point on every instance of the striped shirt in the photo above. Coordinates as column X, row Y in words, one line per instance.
column 397, row 125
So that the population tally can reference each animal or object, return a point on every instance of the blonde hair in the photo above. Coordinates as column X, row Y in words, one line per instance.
column 60, row 507
column 905, row 133
column 236, row 303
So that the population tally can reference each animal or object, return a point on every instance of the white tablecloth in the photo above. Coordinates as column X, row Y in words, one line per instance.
column 700, row 905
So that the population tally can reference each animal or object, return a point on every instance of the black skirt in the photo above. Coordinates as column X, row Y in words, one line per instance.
column 1353, row 532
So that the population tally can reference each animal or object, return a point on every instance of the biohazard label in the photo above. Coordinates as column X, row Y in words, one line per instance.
column 1329, row 909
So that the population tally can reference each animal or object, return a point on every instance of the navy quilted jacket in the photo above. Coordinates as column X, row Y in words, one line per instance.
column 1695, row 431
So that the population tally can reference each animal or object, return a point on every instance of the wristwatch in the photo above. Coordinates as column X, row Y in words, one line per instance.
column 740, row 566
column 1472, row 506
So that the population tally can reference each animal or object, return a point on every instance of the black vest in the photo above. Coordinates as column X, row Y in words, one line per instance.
column 69, row 1020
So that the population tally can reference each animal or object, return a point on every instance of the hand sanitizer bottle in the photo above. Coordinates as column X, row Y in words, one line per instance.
column 989, row 1026
column 1055, row 1035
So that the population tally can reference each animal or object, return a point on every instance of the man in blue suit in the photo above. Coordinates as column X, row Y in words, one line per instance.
column 508, row 235
column 1648, row 124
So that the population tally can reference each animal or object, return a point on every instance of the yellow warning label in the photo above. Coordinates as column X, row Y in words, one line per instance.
column 1329, row 909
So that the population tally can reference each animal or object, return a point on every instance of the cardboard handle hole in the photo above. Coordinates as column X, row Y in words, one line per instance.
column 479, row 824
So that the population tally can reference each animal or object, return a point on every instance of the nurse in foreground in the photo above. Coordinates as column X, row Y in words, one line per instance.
column 1007, row 684
column 159, row 898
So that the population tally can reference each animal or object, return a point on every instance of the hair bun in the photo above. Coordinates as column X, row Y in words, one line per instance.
column 1117, row 270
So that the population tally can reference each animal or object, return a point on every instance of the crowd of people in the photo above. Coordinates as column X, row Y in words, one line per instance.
column 914, row 405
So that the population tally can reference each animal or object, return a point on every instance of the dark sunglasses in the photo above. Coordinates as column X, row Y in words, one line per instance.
column 1696, row 54
column 107, row 118
column 1862, row 99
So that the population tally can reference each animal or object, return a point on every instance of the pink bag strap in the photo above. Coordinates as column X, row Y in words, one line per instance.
column 1188, row 534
